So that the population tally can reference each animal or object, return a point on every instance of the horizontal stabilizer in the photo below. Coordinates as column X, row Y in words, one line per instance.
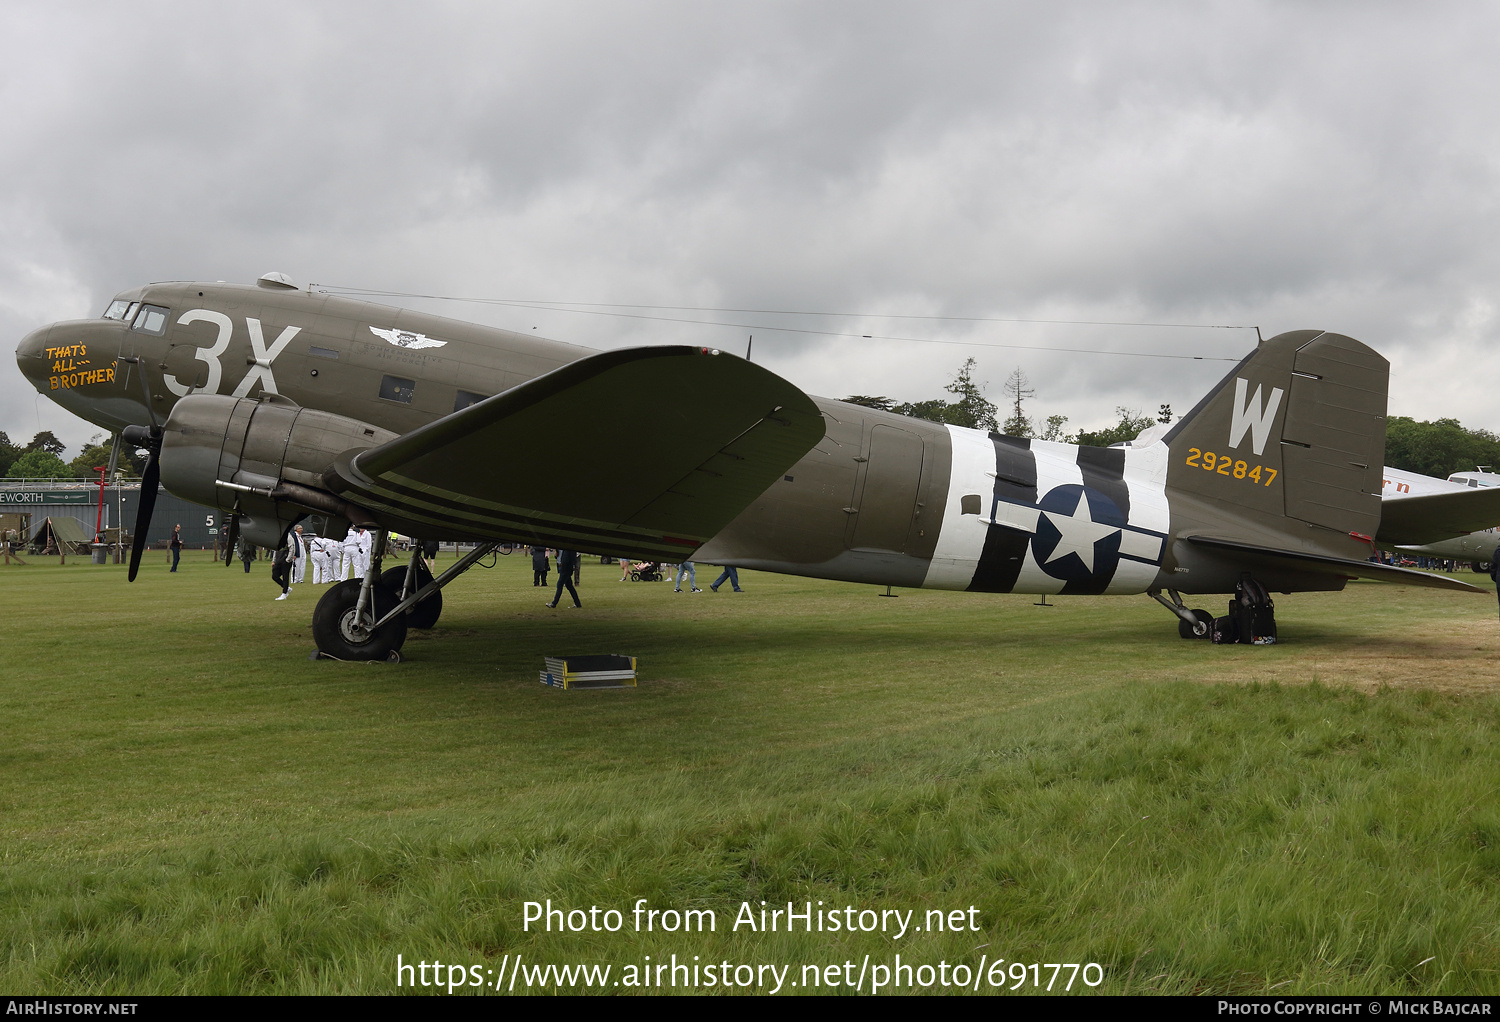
column 642, row 452
column 1320, row 564
column 1430, row 517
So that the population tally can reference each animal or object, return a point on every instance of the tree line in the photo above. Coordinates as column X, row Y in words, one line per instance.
column 1437, row 448
column 973, row 410
column 42, row 458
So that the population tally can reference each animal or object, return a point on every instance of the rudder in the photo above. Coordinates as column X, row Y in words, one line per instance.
column 1296, row 430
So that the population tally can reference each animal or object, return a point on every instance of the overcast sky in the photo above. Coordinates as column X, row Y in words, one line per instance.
column 1284, row 166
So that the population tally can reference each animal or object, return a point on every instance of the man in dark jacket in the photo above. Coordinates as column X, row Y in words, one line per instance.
column 538, row 565
column 1495, row 568
column 567, row 564
column 284, row 568
column 281, row 572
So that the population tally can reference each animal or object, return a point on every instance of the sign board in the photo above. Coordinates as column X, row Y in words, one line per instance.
column 26, row 498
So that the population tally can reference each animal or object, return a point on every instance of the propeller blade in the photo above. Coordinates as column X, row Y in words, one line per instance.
column 151, row 440
column 143, row 511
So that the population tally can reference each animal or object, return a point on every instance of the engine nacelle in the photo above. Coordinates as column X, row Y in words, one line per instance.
column 271, row 451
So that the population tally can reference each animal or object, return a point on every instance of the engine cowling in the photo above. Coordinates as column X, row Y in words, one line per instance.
column 270, row 451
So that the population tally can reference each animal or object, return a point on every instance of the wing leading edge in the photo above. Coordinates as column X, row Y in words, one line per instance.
column 643, row 452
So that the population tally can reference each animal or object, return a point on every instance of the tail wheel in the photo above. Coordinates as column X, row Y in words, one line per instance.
column 1199, row 629
column 337, row 634
column 424, row 614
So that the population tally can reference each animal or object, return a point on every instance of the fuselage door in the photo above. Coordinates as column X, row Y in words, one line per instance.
column 888, row 490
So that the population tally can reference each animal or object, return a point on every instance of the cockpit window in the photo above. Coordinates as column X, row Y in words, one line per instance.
column 152, row 319
column 116, row 309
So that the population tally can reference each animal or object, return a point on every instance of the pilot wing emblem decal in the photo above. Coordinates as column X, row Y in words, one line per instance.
column 406, row 339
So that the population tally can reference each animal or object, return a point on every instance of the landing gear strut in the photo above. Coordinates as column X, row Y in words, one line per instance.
column 405, row 581
column 366, row 619
column 1192, row 624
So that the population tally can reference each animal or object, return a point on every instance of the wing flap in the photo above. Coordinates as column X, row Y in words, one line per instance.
column 1430, row 517
column 1301, row 561
column 643, row 451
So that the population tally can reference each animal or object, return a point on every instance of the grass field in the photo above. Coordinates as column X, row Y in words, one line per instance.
column 188, row 804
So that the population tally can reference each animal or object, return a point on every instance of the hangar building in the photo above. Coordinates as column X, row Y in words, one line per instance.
column 79, row 498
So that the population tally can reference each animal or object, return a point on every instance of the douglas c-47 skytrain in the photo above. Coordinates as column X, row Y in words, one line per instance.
column 272, row 403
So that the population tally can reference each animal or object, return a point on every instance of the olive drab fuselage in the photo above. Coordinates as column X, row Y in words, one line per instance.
column 881, row 499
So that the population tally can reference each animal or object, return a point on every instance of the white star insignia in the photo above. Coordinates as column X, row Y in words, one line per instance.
column 1079, row 533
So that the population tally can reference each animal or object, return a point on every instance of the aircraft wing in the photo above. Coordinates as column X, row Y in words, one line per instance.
column 1429, row 517
column 1299, row 561
column 645, row 452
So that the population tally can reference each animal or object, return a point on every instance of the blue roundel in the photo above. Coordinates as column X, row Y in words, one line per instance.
column 1079, row 541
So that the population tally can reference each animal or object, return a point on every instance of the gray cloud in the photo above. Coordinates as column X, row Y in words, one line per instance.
column 1276, row 165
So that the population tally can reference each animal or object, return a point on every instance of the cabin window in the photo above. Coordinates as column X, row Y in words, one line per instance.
column 466, row 398
column 394, row 388
column 969, row 504
column 152, row 319
column 117, row 309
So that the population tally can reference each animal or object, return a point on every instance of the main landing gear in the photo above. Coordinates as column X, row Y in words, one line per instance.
column 1251, row 619
column 367, row 619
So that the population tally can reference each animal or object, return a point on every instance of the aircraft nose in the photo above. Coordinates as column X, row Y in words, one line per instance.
column 29, row 354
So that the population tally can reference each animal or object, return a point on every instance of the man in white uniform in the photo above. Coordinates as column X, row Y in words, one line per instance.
column 349, row 554
column 366, row 542
column 323, row 551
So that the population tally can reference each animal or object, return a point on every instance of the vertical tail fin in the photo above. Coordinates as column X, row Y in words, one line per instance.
column 1295, row 431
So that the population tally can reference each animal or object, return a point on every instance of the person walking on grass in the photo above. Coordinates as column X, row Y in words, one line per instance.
column 539, row 566
column 175, row 544
column 288, row 557
column 733, row 577
column 686, row 571
column 281, row 571
column 567, row 564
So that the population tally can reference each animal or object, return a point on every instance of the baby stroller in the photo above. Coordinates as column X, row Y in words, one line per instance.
column 646, row 571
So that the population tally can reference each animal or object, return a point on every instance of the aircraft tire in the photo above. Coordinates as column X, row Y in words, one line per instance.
column 334, row 614
column 1198, row 631
column 425, row 614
